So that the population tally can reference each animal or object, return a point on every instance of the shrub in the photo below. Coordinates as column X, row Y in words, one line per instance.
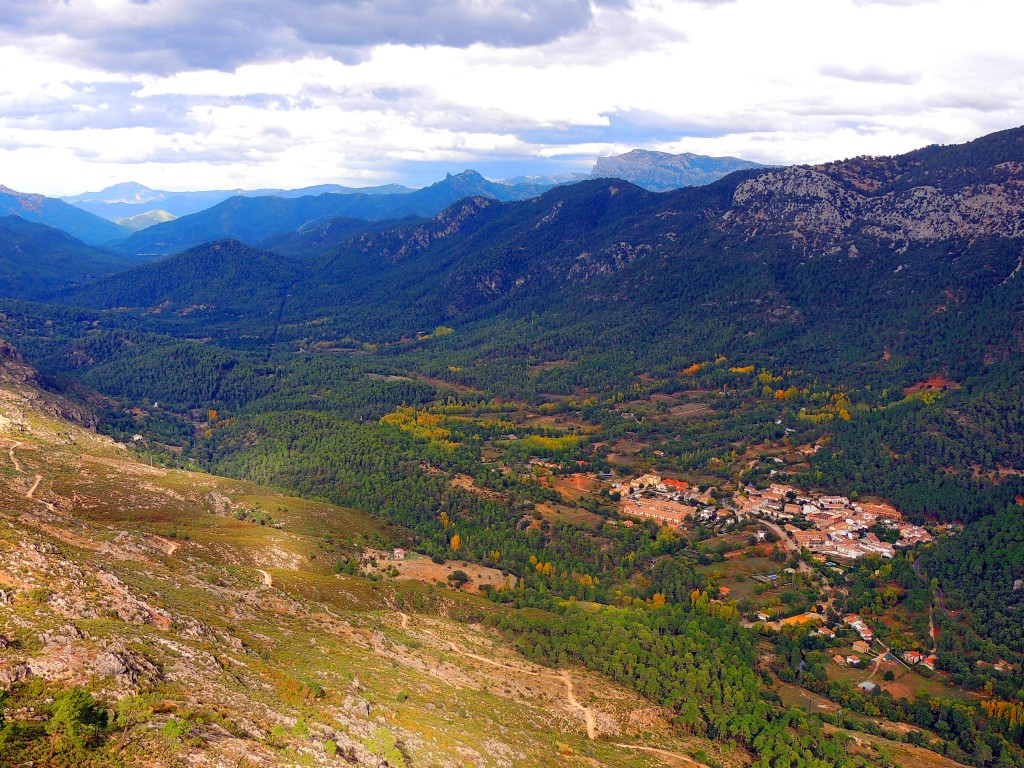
column 176, row 729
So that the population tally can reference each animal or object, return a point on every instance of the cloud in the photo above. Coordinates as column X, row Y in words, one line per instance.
column 870, row 74
column 165, row 36
column 895, row 3
column 285, row 93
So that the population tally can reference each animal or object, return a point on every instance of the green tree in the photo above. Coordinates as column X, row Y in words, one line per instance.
column 76, row 719
column 384, row 746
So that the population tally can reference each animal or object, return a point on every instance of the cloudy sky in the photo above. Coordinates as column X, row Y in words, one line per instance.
column 192, row 94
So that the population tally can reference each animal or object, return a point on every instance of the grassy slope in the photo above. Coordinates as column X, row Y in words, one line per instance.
column 108, row 556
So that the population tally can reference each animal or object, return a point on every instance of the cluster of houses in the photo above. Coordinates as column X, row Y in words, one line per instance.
column 840, row 526
column 916, row 657
column 652, row 497
column 863, row 646
column 856, row 623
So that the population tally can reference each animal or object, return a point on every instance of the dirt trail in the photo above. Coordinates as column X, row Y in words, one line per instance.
column 32, row 491
column 663, row 752
column 267, row 580
column 35, row 485
column 14, row 460
column 877, row 661
column 570, row 696
column 172, row 546
column 562, row 676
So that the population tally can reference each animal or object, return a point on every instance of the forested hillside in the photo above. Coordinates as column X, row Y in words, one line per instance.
column 36, row 261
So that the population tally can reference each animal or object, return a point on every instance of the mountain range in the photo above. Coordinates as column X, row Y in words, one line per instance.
column 256, row 215
column 470, row 387
column 857, row 253
column 253, row 219
column 661, row 171
column 59, row 214
column 130, row 198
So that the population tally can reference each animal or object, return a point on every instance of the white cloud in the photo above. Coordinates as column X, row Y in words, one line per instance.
column 538, row 83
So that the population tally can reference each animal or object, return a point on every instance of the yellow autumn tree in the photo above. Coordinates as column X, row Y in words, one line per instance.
column 456, row 542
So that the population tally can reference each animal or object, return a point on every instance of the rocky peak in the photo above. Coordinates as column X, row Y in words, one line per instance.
column 661, row 171
column 13, row 368
column 399, row 244
column 894, row 199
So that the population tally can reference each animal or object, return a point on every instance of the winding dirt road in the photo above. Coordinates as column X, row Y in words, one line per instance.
column 14, row 460
column 31, row 493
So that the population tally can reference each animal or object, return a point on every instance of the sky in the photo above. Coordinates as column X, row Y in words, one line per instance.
column 191, row 94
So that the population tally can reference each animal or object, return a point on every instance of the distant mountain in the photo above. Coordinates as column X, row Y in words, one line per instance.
column 122, row 201
column 552, row 180
column 222, row 283
column 661, row 171
column 141, row 221
column 60, row 215
column 914, row 259
column 37, row 260
column 254, row 219
column 334, row 189
column 129, row 199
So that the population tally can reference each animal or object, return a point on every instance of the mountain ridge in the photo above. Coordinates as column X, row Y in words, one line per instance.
column 37, row 260
column 662, row 171
column 254, row 219
column 58, row 214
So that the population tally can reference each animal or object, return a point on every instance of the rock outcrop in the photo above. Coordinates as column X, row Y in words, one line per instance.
column 891, row 199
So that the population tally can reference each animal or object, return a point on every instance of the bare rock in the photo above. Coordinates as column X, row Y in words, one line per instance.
column 128, row 666
column 12, row 674
column 64, row 636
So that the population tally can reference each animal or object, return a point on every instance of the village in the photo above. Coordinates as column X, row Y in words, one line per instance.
column 827, row 526
column 832, row 531
column 833, row 526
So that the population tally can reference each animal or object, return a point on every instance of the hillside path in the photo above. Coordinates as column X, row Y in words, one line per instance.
column 172, row 546
column 562, row 676
column 662, row 752
column 267, row 580
column 14, row 459
column 570, row 695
